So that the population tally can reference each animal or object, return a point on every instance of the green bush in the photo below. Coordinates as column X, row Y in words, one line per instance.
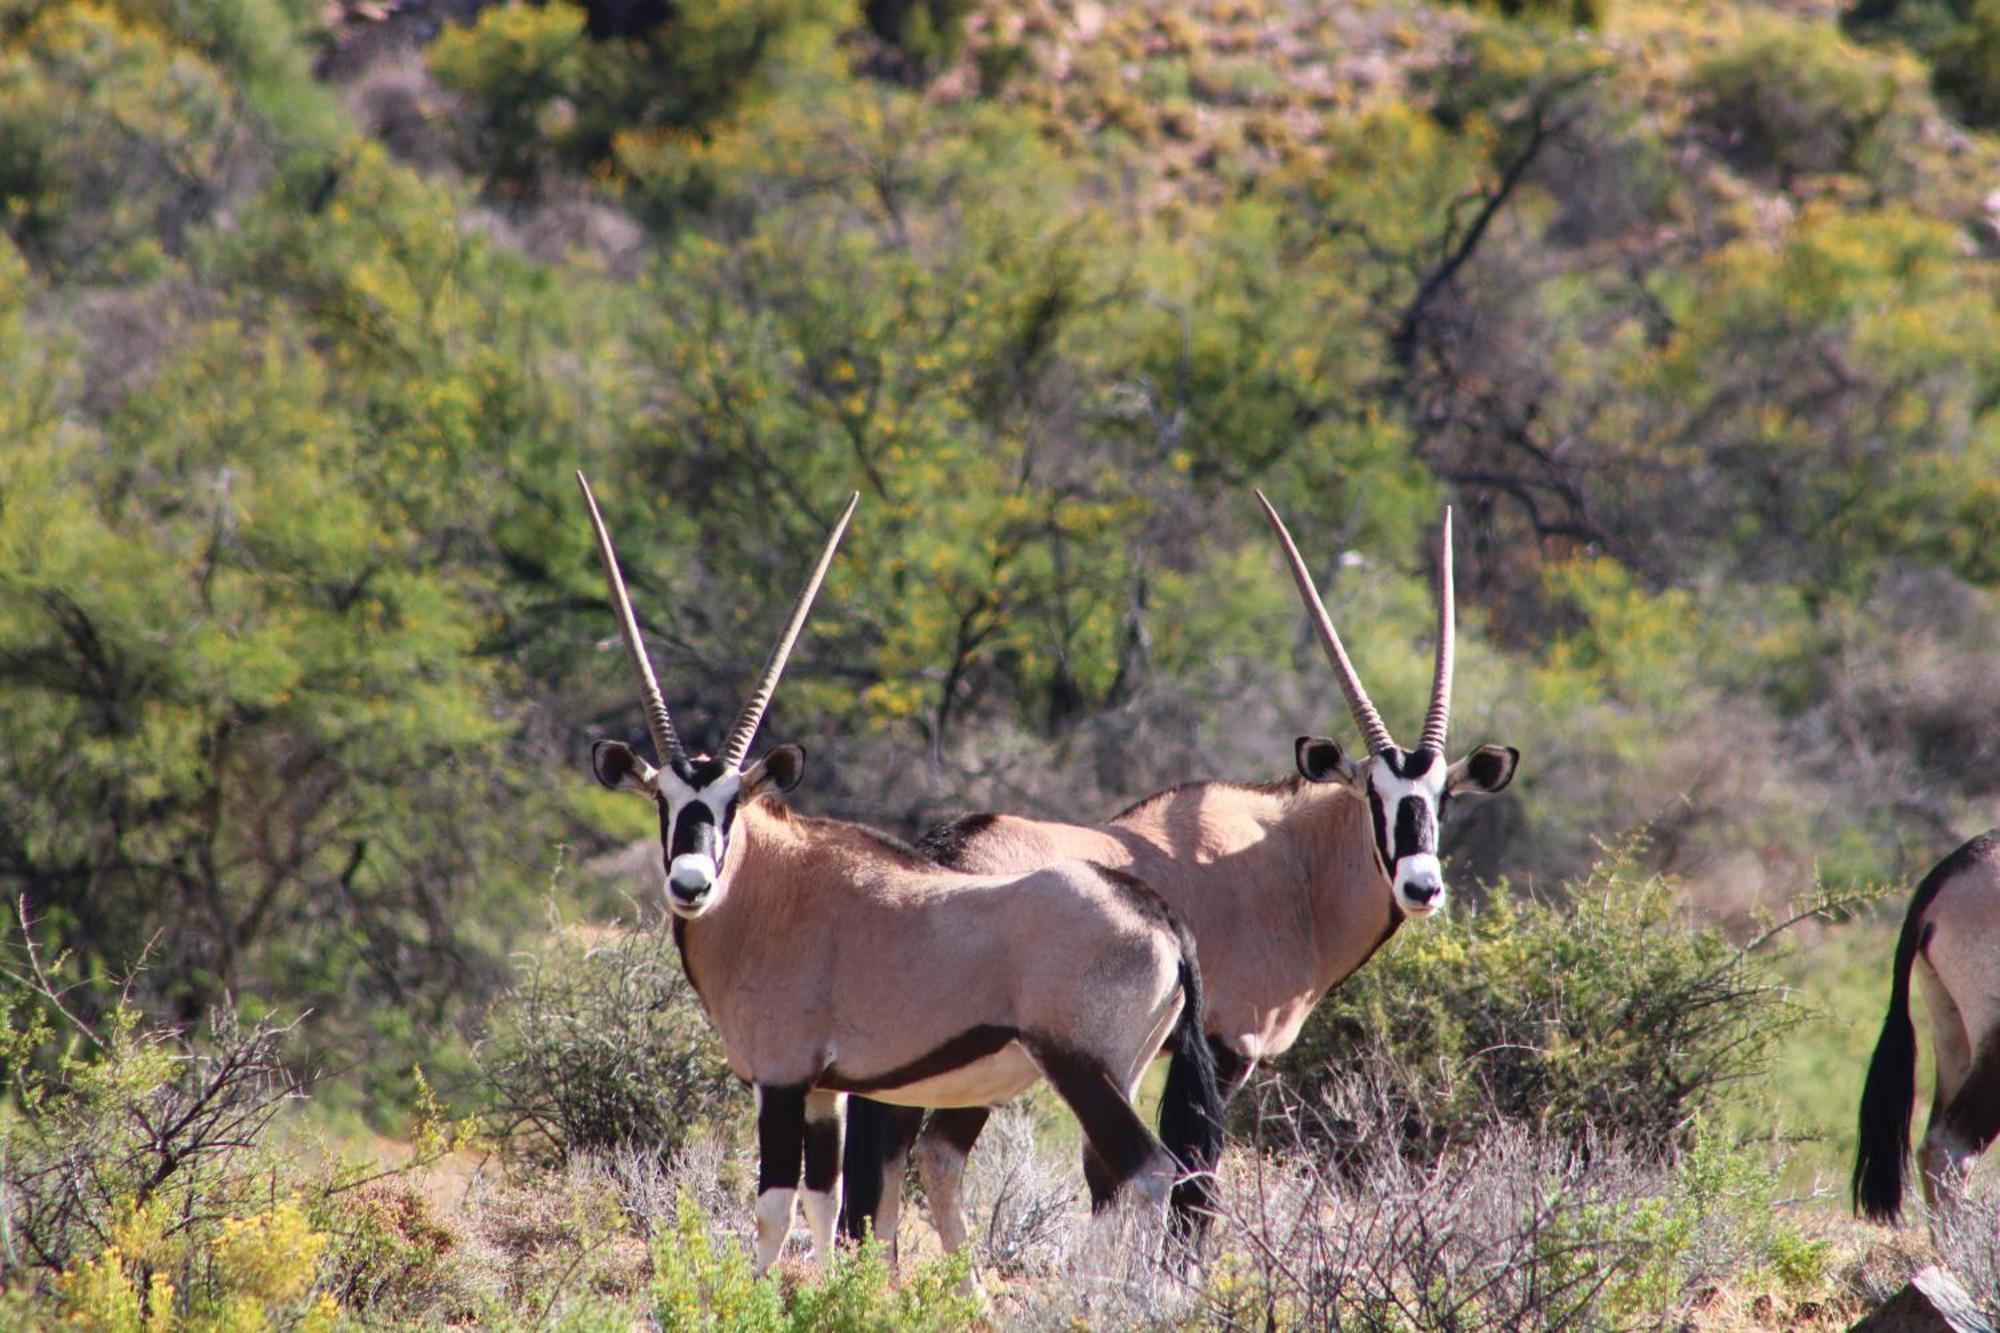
column 141, row 1179
column 601, row 1047
column 702, row 1282
column 1601, row 1012
column 113, row 139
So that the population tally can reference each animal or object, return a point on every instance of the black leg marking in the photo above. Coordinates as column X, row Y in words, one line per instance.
column 1110, row 1125
column 959, row 1125
column 822, row 1153
column 781, row 1136
column 1098, row 1176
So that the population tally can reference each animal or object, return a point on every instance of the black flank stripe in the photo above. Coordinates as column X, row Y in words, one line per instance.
column 975, row 1043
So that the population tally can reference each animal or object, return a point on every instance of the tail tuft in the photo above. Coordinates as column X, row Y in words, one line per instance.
column 863, row 1158
column 1191, row 1106
column 1882, row 1158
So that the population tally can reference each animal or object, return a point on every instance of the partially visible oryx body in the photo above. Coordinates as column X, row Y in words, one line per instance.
column 1951, row 942
column 1288, row 886
column 833, row 959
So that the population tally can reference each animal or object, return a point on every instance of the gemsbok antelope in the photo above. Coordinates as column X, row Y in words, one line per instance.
column 1288, row 886
column 1951, row 940
column 834, row 960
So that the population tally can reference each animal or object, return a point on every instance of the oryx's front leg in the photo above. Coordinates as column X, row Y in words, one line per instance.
column 825, row 1113
column 781, row 1130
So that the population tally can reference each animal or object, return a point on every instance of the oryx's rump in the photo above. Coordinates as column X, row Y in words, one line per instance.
column 1275, row 881
column 1950, row 943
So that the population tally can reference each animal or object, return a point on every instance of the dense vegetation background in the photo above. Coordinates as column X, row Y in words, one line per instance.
column 308, row 314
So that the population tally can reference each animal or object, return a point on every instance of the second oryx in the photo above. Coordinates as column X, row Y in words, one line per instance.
column 833, row 960
column 1288, row 886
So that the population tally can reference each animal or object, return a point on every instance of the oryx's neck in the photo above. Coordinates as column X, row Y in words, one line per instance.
column 1354, row 912
column 790, row 886
column 1280, row 885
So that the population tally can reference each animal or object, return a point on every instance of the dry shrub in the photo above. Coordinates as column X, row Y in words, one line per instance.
column 392, row 1254
column 114, row 1118
column 1030, row 1197
column 1506, row 1229
column 559, row 1240
column 1967, row 1239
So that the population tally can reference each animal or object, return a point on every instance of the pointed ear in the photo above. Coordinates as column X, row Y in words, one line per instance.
column 1488, row 769
column 618, row 768
column 780, row 770
column 1320, row 759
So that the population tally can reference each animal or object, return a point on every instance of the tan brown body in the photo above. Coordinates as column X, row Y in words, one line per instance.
column 1277, row 882
column 836, row 959
column 1950, row 942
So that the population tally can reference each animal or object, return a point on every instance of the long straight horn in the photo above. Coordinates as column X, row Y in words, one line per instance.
column 753, row 712
column 666, row 745
column 1439, row 716
column 1365, row 716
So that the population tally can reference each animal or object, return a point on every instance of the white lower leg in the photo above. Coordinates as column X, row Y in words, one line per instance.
column 891, row 1208
column 774, row 1223
column 822, row 1209
column 942, row 1167
column 826, row 1121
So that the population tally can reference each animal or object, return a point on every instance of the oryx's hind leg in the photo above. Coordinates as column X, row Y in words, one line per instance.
column 941, row 1152
column 1232, row 1070
column 1942, row 1154
column 825, row 1113
column 1963, row 1123
column 781, row 1128
column 1126, row 1152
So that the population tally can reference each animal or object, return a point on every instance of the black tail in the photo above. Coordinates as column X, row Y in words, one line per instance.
column 1191, row 1105
column 861, row 1164
column 1882, row 1159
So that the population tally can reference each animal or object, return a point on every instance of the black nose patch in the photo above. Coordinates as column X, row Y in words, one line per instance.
column 1416, row 827
column 694, row 833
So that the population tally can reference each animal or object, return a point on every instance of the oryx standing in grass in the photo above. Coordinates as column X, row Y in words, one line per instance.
column 1289, row 886
column 1951, row 940
column 833, row 959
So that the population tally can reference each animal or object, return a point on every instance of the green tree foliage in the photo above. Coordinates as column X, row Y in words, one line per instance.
column 1960, row 38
